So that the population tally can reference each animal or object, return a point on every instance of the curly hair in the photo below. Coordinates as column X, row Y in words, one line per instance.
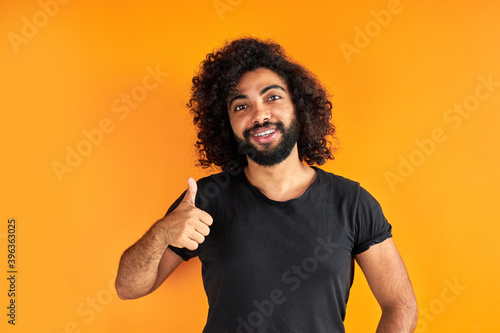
column 217, row 77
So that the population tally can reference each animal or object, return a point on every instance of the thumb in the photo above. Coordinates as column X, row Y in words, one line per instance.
column 191, row 190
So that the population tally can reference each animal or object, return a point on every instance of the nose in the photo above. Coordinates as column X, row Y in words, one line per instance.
column 261, row 113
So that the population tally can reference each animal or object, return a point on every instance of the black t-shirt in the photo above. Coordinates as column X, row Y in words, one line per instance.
column 270, row 266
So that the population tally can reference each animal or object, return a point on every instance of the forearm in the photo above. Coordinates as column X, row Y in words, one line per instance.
column 138, row 269
column 146, row 264
column 388, row 279
column 398, row 320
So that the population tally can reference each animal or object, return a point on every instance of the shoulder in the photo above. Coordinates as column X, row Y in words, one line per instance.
column 344, row 188
column 222, row 185
column 336, row 182
column 219, row 180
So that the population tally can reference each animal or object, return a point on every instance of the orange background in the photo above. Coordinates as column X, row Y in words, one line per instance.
column 69, row 72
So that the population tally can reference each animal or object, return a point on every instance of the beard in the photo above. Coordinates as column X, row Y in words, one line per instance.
column 268, row 156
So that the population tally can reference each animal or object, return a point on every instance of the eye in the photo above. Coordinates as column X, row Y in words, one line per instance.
column 274, row 98
column 240, row 107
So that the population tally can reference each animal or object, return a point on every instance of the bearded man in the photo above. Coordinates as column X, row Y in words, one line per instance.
column 276, row 235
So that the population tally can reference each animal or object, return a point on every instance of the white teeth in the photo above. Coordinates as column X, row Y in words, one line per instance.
column 266, row 133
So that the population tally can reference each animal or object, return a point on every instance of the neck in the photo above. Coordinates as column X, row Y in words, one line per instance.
column 284, row 181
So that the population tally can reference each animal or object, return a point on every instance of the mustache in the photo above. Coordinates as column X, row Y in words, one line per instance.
column 279, row 125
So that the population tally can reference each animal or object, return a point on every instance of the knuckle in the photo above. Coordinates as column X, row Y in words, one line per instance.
column 191, row 221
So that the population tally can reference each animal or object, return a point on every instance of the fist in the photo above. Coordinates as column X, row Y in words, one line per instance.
column 187, row 226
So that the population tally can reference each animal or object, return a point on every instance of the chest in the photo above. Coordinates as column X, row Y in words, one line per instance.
column 279, row 245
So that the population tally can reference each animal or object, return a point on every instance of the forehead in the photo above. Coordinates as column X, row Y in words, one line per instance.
column 258, row 79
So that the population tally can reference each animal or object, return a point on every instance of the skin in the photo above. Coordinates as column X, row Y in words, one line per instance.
column 389, row 281
column 146, row 264
column 262, row 96
column 290, row 178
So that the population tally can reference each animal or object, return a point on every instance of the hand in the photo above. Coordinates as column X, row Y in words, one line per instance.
column 187, row 226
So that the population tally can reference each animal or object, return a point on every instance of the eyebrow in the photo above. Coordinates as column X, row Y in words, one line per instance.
column 262, row 92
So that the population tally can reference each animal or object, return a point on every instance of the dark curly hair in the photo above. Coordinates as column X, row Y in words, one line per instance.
column 218, row 76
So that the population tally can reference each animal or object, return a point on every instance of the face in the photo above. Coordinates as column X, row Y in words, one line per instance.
column 262, row 116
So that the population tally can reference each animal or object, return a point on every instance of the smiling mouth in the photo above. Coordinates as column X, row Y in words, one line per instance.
column 265, row 134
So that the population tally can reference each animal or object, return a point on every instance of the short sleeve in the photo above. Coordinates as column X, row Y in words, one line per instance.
column 184, row 253
column 371, row 226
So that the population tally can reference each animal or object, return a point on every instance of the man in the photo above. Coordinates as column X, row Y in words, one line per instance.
column 276, row 236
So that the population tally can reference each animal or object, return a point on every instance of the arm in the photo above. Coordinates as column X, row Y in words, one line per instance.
column 140, row 265
column 389, row 281
column 146, row 264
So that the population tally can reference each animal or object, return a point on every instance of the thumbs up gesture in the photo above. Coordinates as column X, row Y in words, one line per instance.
column 187, row 226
